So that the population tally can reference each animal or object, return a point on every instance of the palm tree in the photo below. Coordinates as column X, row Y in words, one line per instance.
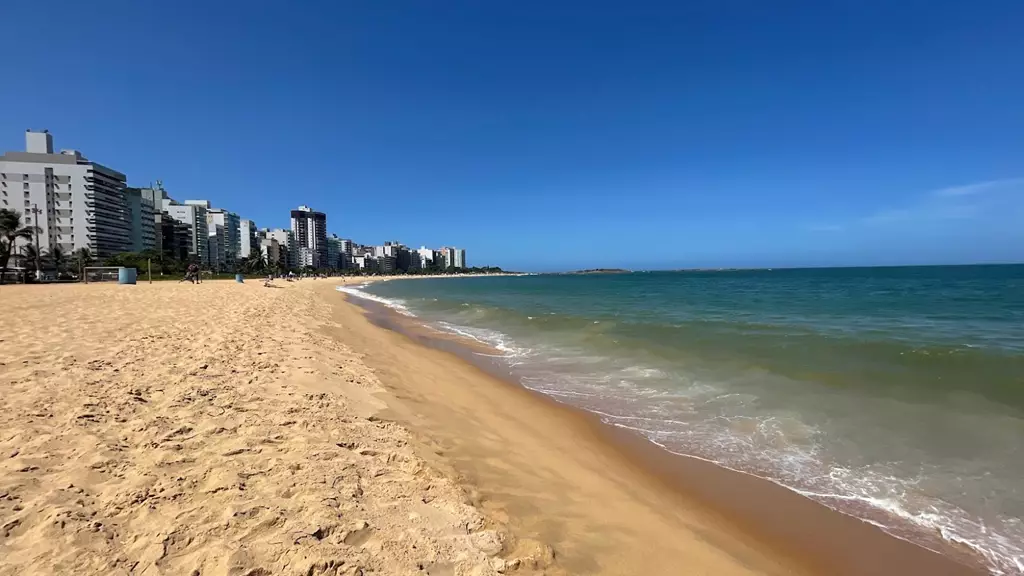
column 10, row 230
column 255, row 263
column 31, row 255
column 58, row 258
column 82, row 257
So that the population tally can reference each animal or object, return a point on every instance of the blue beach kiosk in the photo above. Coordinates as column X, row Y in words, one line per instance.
column 126, row 275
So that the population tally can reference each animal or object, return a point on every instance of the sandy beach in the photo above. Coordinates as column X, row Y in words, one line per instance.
column 233, row 429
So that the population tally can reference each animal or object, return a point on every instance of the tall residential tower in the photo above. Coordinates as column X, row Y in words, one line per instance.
column 75, row 203
column 310, row 230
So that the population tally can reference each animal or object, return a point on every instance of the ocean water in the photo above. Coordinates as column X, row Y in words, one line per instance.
column 895, row 395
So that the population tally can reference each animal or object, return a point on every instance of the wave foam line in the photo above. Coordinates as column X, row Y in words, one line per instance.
column 494, row 339
column 1002, row 559
column 396, row 305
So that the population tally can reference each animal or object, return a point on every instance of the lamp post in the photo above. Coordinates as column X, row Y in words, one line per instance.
column 35, row 213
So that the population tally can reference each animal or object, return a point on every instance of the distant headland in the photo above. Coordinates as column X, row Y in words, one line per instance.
column 601, row 271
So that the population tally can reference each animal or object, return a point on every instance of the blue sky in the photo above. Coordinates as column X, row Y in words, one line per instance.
column 552, row 135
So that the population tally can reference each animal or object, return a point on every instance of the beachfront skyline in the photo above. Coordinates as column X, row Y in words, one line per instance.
column 549, row 137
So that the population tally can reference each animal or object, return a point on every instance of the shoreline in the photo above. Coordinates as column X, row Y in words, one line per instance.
column 227, row 428
column 826, row 540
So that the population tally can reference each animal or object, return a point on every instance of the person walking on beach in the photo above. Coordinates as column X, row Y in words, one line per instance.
column 191, row 273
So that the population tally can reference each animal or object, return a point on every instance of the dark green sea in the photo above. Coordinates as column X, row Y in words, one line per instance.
column 892, row 394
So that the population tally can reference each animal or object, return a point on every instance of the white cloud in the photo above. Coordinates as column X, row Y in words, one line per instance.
column 953, row 203
column 980, row 188
column 923, row 212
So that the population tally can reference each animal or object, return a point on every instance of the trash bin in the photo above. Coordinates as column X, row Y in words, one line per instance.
column 239, row 279
column 126, row 275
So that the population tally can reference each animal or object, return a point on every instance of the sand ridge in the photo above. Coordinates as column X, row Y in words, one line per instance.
column 215, row 429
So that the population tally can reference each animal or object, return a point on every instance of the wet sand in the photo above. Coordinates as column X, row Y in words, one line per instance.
column 606, row 499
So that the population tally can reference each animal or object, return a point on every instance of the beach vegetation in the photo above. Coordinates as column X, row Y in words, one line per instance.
column 31, row 255
column 58, row 258
column 82, row 258
column 11, row 230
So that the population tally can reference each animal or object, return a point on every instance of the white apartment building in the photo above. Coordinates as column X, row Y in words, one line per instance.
column 248, row 238
column 272, row 252
column 446, row 259
column 75, row 203
column 231, row 244
column 459, row 257
column 426, row 256
column 387, row 249
column 286, row 241
column 194, row 216
column 216, row 244
column 364, row 262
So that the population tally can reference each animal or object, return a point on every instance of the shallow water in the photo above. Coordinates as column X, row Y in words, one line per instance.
column 892, row 394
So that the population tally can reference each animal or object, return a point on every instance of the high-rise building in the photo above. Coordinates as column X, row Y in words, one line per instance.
column 426, row 256
column 176, row 241
column 156, row 195
column 408, row 260
column 194, row 216
column 446, row 259
column 216, row 246
column 75, row 203
column 273, row 253
column 231, row 242
column 460, row 258
column 287, row 245
column 143, row 214
column 332, row 253
column 310, row 230
column 248, row 238
column 386, row 264
column 339, row 252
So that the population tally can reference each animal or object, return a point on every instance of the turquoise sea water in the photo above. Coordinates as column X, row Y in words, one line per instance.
column 892, row 394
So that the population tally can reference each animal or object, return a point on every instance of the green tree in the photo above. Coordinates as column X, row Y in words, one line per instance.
column 256, row 263
column 31, row 255
column 58, row 258
column 137, row 260
column 83, row 258
column 10, row 230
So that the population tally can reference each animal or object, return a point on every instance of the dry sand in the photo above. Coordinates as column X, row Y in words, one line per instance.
column 229, row 428
column 211, row 429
